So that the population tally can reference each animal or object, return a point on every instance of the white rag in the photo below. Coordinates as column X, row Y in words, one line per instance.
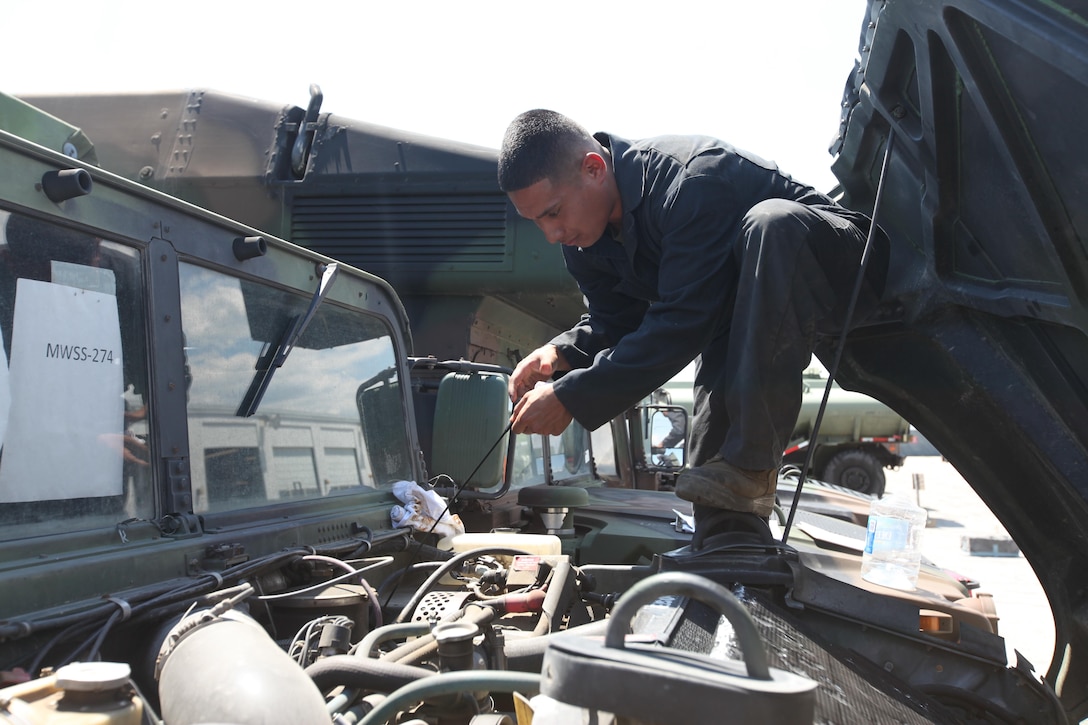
column 422, row 507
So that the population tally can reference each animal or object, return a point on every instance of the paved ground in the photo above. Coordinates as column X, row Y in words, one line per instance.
column 956, row 512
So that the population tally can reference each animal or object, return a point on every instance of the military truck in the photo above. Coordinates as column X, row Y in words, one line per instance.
column 119, row 519
column 857, row 439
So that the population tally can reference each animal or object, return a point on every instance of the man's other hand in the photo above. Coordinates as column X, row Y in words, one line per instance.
column 538, row 367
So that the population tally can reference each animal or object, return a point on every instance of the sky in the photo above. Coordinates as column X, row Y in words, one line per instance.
column 764, row 75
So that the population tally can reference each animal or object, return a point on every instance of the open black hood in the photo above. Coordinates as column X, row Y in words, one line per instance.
column 985, row 199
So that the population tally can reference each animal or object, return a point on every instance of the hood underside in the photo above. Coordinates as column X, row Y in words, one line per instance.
column 985, row 199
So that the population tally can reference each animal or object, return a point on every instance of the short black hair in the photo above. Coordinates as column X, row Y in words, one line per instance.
column 540, row 144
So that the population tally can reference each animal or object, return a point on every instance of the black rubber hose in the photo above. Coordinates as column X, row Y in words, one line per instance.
column 396, row 576
column 363, row 673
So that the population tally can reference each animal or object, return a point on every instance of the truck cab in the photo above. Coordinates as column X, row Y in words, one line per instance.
column 136, row 329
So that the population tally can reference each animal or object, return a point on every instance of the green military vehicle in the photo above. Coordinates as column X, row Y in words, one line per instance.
column 215, row 429
column 857, row 439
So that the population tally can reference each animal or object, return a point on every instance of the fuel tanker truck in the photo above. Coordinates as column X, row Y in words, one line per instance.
column 858, row 436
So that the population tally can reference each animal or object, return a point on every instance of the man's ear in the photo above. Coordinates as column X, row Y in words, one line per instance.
column 594, row 166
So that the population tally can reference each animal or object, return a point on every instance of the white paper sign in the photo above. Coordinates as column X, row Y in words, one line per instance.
column 67, row 410
column 95, row 279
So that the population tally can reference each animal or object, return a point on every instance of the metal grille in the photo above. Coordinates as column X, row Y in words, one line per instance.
column 439, row 605
column 842, row 695
column 407, row 232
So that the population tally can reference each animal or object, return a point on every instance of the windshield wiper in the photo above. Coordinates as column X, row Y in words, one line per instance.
column 286, row 344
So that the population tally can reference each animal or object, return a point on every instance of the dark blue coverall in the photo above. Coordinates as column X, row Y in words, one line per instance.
column 723, row 257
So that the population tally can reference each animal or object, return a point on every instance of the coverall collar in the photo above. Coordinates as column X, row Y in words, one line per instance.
column 630, row 173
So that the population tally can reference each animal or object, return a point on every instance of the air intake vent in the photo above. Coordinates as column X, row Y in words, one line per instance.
column 405, row 233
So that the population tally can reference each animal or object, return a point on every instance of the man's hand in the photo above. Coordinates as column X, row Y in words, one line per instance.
column 538, row 367
column 539, row 411
column 128, row 446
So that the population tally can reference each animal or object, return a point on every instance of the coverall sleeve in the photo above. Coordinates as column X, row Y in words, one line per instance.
column 697, row 279
column 612, row 314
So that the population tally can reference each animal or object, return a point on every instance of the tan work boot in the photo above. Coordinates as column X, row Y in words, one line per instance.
column 724, row 486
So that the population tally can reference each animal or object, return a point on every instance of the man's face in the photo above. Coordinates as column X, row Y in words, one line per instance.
column 574, row 212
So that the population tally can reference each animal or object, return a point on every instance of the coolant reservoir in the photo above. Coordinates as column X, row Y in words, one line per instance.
column 540, row 544
column 84, row 693
column 892, row 555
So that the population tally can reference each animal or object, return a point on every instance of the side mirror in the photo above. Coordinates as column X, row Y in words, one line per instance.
column 470, row 415
column 667, row 431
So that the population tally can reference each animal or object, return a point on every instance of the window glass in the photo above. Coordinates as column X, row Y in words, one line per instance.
column 551, row 459
column 332, row 419
column 604, row 453
column 73, row 381
column 295, row 472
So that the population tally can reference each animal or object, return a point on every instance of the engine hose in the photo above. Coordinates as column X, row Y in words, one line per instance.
column 427, row 645
column 448, row 684
column 374, row 605
column 556, row 589
column 413, row 651
column 527, row 653
column 427, row 640
column 363, row 673
column 377, row 636
column 399, row 574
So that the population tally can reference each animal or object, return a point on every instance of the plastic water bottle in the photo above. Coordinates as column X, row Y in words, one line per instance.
column 892, row 556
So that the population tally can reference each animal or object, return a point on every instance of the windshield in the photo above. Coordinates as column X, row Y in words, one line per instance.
column 73, row 381
column 332, row 420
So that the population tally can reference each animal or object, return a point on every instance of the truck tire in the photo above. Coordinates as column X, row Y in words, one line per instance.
column 856, row 469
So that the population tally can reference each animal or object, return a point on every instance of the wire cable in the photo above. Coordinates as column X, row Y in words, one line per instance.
column 842, row 335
